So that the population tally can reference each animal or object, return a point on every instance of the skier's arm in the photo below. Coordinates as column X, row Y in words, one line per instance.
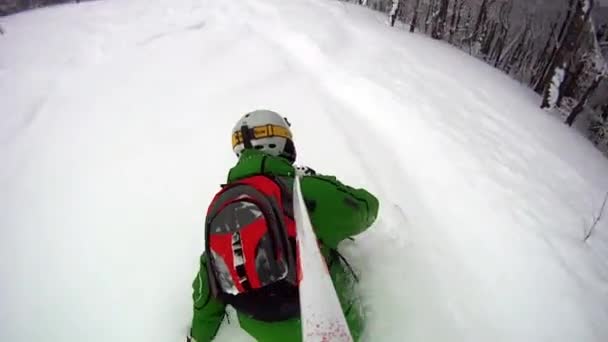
column 208, row 311
column 338, row 211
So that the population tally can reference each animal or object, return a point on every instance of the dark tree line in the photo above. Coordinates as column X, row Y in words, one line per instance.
column 13, row 6
column 558, row 47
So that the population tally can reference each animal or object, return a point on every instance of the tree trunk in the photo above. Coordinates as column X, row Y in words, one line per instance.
column 504, row 19
column 455, row 14
column 429, row 12
column 467, row 28
column 499, row 47
column 515, row 55
column 481, row 18
column 581, row 104
column 526, row 59
column 440, row 20
column 519, row 56
column 542, row 63
column 568, row 46
column 394, row 12
column 488, row 40
column 566, row 22
column 570, row 82
column 541, row 83
column 415, row 18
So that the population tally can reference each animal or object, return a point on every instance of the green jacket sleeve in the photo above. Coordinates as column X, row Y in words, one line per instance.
column 208, row 311
column 337, row 211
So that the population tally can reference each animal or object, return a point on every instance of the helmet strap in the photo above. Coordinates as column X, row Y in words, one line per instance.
column 247, row 136
column 289, row 151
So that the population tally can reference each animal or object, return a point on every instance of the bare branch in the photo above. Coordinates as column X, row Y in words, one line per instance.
column 597, row 219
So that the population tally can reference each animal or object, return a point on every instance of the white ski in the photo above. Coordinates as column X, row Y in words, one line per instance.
column 321, row 314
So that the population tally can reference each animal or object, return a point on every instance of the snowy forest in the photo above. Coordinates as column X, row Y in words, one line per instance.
column 558, row 48
column 12, row 6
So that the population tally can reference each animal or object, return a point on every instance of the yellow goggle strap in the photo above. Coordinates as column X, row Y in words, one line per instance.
column 260, row 132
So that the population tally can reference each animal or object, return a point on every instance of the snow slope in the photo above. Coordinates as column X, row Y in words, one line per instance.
column 115, row 121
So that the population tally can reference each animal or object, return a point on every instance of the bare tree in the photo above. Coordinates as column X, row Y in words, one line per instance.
column 480, row 23
column 429, row 13
column 581, row 104
column 541, row 82
column 504, row 19
column 567, row 20
column 554, row 79
column 527, row 57
column 488, row 39
column 513, row 50
column 392, row 16
column 518, row 54
column 596, row 219
column 467, row 27
column 415, row 18
column 455, row 21
column 542, row 63
column 440, row 19
column 571, row 80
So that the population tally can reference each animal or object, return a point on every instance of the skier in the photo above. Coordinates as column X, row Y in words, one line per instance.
column 267, row 308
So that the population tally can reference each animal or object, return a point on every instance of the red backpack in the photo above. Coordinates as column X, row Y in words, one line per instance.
column 251, row 248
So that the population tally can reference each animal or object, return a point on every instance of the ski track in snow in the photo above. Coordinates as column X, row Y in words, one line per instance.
column 115, row 132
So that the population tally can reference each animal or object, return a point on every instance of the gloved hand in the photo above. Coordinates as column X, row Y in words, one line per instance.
column 305, row 171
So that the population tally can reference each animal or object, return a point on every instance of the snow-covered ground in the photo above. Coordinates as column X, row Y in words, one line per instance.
column 115, row 121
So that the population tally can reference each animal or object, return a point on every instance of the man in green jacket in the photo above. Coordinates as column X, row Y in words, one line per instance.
column 337, row 212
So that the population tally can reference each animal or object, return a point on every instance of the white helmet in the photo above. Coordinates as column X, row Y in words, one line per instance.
column 264, row 130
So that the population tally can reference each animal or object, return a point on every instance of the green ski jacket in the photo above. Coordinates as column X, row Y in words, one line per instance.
column 336, row 211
